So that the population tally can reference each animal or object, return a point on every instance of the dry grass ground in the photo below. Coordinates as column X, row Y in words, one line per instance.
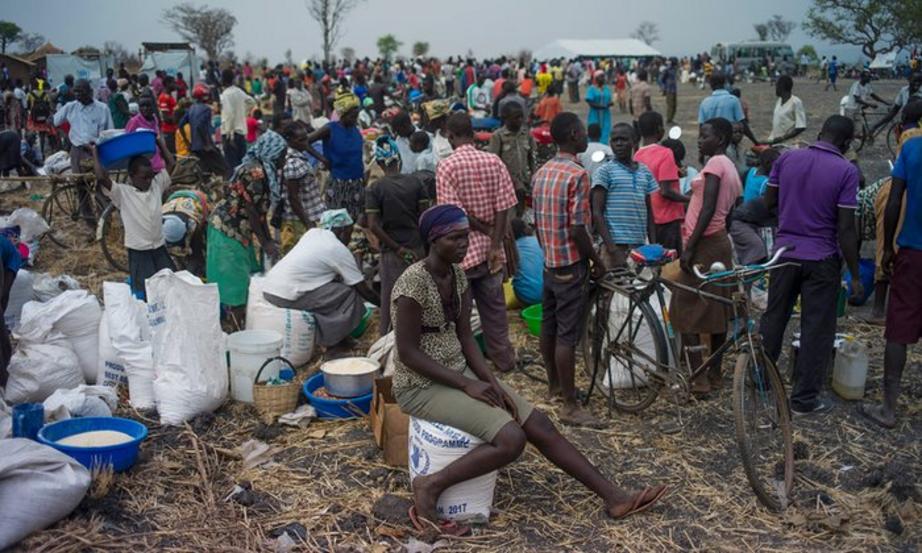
column 856, row 487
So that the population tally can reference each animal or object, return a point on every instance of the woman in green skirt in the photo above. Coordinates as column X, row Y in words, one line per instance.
column 239, row 220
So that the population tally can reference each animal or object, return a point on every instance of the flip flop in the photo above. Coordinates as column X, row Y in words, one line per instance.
column 444, row 527
column 870, row 414
column 639, row 505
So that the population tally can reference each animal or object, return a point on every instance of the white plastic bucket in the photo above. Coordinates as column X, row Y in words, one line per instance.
column 247, row 351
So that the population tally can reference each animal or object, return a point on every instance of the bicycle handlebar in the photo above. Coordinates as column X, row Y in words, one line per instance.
column 710, row 276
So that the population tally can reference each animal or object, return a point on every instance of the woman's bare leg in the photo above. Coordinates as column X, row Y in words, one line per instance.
column 552, row 444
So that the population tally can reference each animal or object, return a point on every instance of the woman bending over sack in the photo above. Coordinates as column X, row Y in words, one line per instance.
column 442, row 377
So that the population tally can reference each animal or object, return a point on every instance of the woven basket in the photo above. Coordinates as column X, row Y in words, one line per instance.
column 273, row 401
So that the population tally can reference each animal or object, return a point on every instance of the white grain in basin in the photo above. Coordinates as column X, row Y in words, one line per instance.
column 350, row 366
column 96, row 438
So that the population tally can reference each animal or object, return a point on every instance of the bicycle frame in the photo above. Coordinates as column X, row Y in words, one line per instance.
column 637, row 293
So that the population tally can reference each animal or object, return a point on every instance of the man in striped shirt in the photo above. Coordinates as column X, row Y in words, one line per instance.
column 560, row 192
column 621, row 199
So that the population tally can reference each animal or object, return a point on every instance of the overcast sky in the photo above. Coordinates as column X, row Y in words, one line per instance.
column 487, row 27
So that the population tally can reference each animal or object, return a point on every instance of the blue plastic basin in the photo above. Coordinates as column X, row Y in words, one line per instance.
column 116, row 152
column 866, row 269
column 121, row 456
column 335, row 408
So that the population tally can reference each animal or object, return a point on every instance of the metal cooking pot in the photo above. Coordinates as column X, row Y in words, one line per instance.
column 353, row 384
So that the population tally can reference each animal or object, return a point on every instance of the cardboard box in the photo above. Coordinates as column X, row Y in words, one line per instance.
column 389, row 424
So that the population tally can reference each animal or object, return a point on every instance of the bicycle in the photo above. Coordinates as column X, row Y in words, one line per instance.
column 865, row 136
column 634, row 356
column 73, row 209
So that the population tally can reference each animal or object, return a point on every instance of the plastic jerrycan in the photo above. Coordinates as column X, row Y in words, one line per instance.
column 850, row 371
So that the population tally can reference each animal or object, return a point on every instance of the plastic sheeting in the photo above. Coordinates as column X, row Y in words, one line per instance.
column 175, row 61
column 61, row 65
column 601, row 48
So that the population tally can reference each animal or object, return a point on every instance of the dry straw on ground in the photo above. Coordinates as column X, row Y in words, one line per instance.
column 856, row 486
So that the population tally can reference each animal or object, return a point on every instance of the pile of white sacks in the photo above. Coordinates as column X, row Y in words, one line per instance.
column 170, row 351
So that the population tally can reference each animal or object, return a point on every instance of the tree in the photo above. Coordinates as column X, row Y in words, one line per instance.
column 420, row 49
column 761, row 31
column 88, row 51
column 9, row 33
column 388, row 46
column 871, row 24
column 210, row 28
column 779, row 28
column 810, row 52
column 330, row 14
column 647, row 31
column 908, row 28
column 348, row 54
column 115, row 49
column 29, row 42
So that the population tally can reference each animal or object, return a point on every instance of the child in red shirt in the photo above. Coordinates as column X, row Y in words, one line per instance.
column 253, row 121
column 167, row 106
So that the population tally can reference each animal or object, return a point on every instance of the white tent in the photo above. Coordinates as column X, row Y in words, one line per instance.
column 885, row 60
column 597, row 48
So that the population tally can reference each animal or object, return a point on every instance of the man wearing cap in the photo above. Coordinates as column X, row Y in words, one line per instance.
column 436, row 113
column 480, row 184
column 201, row 134
column 320, row 275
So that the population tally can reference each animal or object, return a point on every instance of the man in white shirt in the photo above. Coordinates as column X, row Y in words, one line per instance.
column 478, row 98
column 139, row 205
column 594, row 131
column 235, row 106
column 860, row 95
column 790, row 118
column 911, row 91
column 320, row 275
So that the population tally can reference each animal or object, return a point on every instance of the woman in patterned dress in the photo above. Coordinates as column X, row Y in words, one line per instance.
column 241, row 217
column 441, row 376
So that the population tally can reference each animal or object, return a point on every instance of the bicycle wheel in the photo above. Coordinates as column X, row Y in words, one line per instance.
column 861, row 136
column 763, row 428
column 71, row 214
column 587, row 346
column 111, row 236
column 631, row 345
column 893, row 138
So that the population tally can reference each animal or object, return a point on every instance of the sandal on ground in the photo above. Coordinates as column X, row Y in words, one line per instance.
column 444, row 527
column 872, row 413
column 643, row 501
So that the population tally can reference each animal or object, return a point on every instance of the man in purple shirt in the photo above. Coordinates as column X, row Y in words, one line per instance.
column 816, row 192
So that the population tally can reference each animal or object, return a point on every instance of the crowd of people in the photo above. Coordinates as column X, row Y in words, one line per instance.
column 326, row 166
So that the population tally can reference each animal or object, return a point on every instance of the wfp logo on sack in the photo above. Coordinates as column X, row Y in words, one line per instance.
column 420, row 459
column 156, row 315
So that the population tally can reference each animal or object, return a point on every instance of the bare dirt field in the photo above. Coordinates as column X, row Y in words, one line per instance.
column 856, row 487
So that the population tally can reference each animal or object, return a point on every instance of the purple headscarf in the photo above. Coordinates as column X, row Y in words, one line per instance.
column 437, row 221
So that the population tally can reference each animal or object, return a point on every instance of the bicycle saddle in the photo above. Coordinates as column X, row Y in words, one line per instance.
column 653, row 255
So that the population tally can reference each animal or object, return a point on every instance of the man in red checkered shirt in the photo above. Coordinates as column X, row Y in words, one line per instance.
column 560, row 193
column 480, row 184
